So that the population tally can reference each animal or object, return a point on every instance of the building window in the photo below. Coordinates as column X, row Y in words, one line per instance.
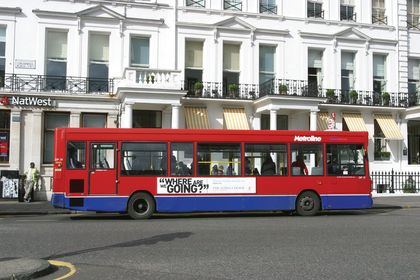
column 98, row 62
column 231, row 69
column 4, row 135
column 347, row 75
column 347, row 10
column 282, row 122
column 52, row 121
column 235, row 5
column 380, row 146
column 193, row 65
column 413, row 142
column 56, row 60
column 196, row 3
column 378, row 12
column 2, row 55
column 413, row 82
column 314, row 72
column 413, row 14
column 314, row 10
column 94, row 120
column 147, row 119
column 267, row 58
column 268, row 6
column 379, row 77
column 139, row 52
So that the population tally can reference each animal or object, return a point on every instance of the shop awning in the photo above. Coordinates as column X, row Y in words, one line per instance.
column 197, row 117
column 389, row 127
column 235, row 118
column 322, row 121
column 354, row 121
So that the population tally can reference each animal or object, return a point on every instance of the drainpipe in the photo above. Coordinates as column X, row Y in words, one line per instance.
column 175, row 34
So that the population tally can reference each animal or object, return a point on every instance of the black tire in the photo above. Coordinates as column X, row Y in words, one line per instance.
column 308, row 204
column 141, row 206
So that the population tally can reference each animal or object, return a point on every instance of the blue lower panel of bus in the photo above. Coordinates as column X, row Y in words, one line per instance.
column 223, row 203
column 346, row 201
column 94, row 203
column 208, row 203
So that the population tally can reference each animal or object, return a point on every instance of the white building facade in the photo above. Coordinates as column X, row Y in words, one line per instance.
column 224, row 64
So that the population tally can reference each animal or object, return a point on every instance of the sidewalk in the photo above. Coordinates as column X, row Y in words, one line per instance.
column 13, row 207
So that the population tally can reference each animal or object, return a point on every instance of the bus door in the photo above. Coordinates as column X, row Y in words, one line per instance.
column 103, row 168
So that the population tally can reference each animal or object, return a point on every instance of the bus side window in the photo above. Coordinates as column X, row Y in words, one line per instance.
column 219, row 159
column 103, row 156
column 181, row 159
column 266, row 159
column 145, row 159
column 345, row 160
column 76, row 155
column 307, row 159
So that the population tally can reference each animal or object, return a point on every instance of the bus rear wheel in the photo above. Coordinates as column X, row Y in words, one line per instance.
column 308, row 204
column 141, row 206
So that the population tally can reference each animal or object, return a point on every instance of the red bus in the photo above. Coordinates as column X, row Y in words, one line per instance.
column 143, row 171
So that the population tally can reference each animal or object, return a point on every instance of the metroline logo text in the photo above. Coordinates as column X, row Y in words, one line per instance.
column 307, row 138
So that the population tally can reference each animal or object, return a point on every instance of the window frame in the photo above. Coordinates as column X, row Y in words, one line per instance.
column 6, row 114
column 47, row 135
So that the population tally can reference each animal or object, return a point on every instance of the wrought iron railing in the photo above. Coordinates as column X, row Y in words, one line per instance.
column 232, row 5
column 301, row 88
column 413, row 21
column 268, row 9
column 394, row 181
column 365, row 97
column 223, row 91
column 56, row 84
column 196, row 3
column 348, row 16
column 378, row 16
column 315, row 14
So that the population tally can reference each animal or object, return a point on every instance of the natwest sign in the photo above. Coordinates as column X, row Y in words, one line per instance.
column 26, row 101
column 307, row 138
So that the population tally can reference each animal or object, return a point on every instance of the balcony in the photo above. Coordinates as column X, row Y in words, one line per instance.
column 268, row 9
column 56, row 84
column 413, row 21
column 220, row 90
column 232, row 5
column 196, row 3
column 348, row 16
column 301, row 88
column 367, row 98
column 378, row 16
column 151, row 78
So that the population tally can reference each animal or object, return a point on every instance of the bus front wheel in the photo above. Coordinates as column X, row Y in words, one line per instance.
column 141, row 206
column 307, row 204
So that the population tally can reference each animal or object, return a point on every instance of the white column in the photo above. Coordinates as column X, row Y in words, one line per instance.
column 256, row 122
column 112, row 121
column 273, row 120
column 313, row 119
column 175, row 116
column 15, row 138
column 128, row 116
column 75, row 119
